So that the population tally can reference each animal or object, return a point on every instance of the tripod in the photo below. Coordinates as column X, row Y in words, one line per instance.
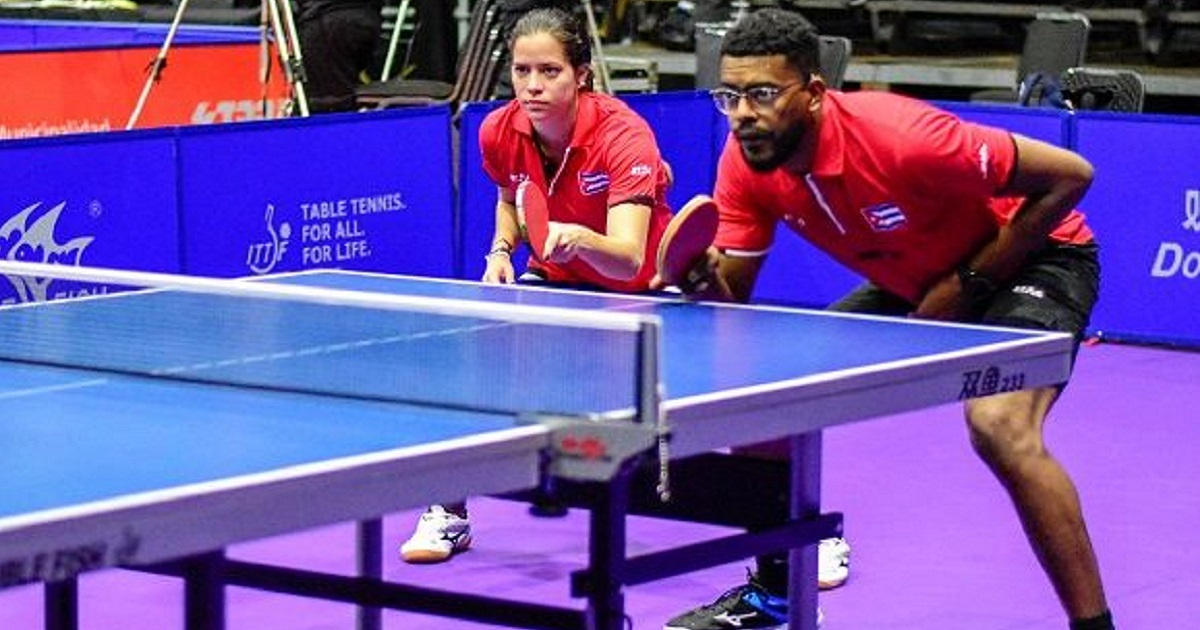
column 277, row 20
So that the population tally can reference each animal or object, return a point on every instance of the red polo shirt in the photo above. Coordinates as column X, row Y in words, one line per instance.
column 900, row 191
column 612, row 159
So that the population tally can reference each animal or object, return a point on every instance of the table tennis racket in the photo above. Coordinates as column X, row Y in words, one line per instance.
column 533, row 212
column 685, row 243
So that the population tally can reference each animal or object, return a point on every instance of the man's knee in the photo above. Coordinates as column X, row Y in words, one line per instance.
column 1008, row 427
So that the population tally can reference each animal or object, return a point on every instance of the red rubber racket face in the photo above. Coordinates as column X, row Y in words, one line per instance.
column 533, row 210
column 687, row 238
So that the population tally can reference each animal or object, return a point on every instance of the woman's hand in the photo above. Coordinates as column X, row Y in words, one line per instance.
column 499, row 269
column 565, row 241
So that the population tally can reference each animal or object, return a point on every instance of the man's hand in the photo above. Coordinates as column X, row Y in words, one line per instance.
column 945, row 301
column 701, row 282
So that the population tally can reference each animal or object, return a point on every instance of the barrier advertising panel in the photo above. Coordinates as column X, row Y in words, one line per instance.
column 1145, row 209
column 76, row 91
column 369, row 191
column 476, row 215
column 100, row 200
column 1042, row 123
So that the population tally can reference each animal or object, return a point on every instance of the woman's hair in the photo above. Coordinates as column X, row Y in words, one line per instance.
column 775, row 32
column 564, row 28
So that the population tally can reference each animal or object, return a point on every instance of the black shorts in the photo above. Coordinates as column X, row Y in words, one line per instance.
column 1056, row 289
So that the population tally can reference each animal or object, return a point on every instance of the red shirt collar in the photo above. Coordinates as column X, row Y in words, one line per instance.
column 829, row 160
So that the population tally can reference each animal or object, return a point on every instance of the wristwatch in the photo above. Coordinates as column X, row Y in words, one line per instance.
column 976, row 286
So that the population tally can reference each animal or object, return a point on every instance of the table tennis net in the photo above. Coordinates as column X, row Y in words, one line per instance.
column 492, row 358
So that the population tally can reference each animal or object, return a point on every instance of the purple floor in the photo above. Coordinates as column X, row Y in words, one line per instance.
column 935, row 543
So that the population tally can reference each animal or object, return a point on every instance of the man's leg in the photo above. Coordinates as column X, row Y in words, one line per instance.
column 1007, row 433
column 1056, row 290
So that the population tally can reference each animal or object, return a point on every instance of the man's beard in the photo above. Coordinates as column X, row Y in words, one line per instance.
column 765, row 151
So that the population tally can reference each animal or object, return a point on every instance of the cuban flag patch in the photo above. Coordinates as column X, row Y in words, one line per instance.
column 593, row 182
column 885, row 217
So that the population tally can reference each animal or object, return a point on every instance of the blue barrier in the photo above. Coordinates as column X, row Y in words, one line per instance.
column 476, row 216
column 375, row 192
column 1048, row 125
column 370, row 192
column 101, row 200
column 354, row 191
column 679, row 120
column 23, row 35
column 1145, row 208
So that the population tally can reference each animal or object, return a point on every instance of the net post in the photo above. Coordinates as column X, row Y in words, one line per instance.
column 651, row 393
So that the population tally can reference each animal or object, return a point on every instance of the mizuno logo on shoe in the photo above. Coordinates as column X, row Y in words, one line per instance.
column 734, row 620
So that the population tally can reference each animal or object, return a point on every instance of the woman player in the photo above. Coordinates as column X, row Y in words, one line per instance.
column 599, row 165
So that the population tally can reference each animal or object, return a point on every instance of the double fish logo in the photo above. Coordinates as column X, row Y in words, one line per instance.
column 26, row 238
column 1179, row 259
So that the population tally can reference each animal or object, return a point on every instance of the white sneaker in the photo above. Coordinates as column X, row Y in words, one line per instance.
column 833, row 563
column 439, row 535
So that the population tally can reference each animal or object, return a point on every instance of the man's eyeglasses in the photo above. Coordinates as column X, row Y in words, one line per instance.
column 761, row 97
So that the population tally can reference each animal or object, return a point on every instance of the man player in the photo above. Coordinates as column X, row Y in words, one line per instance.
column 946, row 220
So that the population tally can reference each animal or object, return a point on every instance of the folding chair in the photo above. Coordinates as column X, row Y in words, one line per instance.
column 835, row 57
column 474, row 54
column 1104, row 89
column 1054, row 42
column 492, row 55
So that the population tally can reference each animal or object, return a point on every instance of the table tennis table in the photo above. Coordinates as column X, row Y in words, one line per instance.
column 113, row 468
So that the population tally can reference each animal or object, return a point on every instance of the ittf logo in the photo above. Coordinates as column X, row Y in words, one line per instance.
column 261, row 257
column 1191, row 210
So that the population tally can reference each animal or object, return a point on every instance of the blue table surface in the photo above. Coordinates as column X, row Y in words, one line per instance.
column 714, row 348
column 73, row 436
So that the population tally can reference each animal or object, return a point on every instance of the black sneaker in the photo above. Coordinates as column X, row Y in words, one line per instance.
column 747, row 607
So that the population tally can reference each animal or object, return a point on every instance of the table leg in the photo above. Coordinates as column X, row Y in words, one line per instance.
column 61, row 604
column 606, row 565
column 805, row 495
column 204, row 592
column 370, row 565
